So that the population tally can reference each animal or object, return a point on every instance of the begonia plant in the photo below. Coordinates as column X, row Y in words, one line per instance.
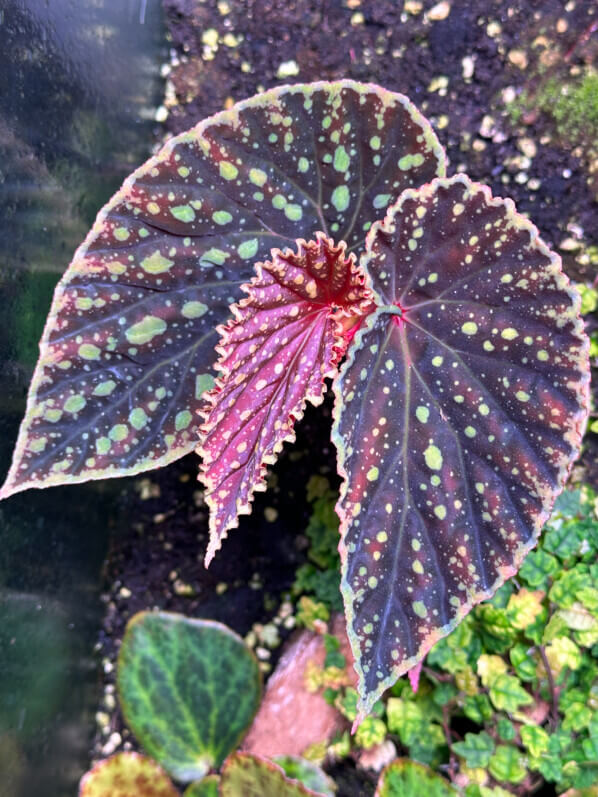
column 311, row 233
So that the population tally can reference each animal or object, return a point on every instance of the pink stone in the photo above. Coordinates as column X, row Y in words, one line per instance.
column 290, row 718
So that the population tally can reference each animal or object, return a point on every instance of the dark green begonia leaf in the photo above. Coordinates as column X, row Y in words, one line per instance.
column 405, row 778
column 189, row 690
column 459, row 411
column 125, row 774
column 128, row 347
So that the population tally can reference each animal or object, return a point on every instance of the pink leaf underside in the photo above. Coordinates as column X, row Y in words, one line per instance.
column 285, row 338
column 456, row 423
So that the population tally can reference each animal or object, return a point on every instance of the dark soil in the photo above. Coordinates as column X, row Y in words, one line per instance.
column 514, row 47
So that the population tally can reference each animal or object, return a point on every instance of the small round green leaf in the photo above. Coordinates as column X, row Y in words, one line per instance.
column 508, row 764
column 405, row 778
column 306, row 772
column 245, row 775
column 126, row 774
column 476, row 749
column 188, row 690
column 208, row 787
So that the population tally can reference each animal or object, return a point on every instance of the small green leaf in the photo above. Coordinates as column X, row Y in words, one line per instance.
column 563, row 652
column 404, row 718
column 507, row 694
column 577, row 717
column 306, row 772
column 188, row 689
column 477, row 708
column 404, row 778
column 505, row 729
column 371, row 732
column 126, row 774
column 507, row 764
column 245, row 775
column 476, row 749
column 208, row 787
column 490, row 667
column 538, row 568
column 535, row 739
column 522, row 659
column 524, row 607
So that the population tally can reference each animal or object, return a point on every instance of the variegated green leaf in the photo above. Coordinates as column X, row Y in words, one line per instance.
column 459, row 412
column 188, row 690
column 128, row 348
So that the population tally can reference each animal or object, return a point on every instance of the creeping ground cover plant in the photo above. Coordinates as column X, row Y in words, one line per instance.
column 310, row 233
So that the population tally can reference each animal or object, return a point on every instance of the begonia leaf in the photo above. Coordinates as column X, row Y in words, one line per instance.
column 254, row 776
column 459, row 411
column 287, row 335
column 125, row 774
column 188, row 689
column 128, row 347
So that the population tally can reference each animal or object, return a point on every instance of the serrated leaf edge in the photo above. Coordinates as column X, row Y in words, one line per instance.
column 211, row 398
column 575, row 435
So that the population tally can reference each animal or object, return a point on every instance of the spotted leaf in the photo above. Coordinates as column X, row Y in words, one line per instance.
column 286, row 337
column 125, row 774
column 128, row 347
column 459, row 412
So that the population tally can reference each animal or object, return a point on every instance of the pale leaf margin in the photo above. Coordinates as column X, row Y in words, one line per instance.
column 573, row 436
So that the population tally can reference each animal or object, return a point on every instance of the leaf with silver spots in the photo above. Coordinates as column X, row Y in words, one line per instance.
column 459, row 412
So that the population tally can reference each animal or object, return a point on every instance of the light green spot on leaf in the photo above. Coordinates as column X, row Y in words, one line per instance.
column 74, row 404
column 194, row 309
column 182, row 420
column 340, row 198
column 248, row 249
column 183, row 213
column 145, row 330
column 156, row 263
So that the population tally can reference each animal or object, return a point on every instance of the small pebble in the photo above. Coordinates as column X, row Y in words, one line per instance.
column 487, row 127
column 271, row 514
column 113, row 742
column 287, row 69
column 210, row 38
column 468, row 65
column 493, row 29
column 439, row 11
column 413, row 7
column 439, row 84
column 528, row 147
column 518, row 58
column 357, row 19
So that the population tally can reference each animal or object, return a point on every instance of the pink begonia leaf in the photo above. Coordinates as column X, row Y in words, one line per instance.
column 286, row 337
column 128, row 347
column 459, row 411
